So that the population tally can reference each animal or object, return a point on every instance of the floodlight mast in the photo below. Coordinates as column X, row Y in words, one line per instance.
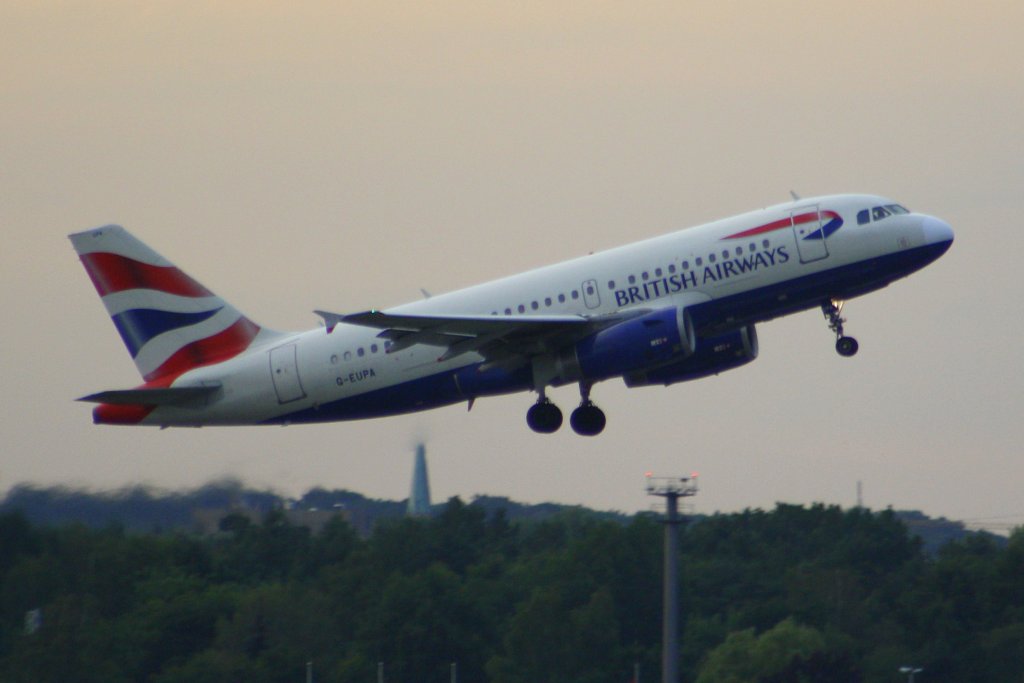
column 910, row 671
column 671, row 489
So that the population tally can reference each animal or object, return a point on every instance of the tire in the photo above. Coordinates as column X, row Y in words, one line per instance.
column 846, row 346
column 587, row 420
column 544, row 418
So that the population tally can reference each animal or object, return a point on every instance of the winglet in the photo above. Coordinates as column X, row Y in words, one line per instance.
column 331, row 320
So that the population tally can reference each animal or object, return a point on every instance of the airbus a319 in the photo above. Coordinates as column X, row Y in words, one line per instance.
column 669, row 309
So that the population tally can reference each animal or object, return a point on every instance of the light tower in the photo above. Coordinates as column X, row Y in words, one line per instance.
column 910, row 671
column 419, row 496
column 671, row 489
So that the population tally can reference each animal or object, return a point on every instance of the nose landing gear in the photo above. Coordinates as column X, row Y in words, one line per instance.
column 845, row 346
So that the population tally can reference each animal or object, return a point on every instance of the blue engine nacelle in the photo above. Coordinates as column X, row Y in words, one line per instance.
column 712, row 356
column 647, row 341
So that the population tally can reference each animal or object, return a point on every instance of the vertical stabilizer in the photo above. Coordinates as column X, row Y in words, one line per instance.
column 169, row 322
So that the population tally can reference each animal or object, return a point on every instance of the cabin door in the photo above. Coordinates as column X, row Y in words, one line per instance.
column 284, row 371
column 810, row 239
column 591, row 297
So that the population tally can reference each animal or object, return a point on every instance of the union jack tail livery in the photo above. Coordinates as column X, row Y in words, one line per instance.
column 673, row 308
column 169, row 322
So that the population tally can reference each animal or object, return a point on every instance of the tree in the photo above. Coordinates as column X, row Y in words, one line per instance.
column 744, row 657
column 422, row 623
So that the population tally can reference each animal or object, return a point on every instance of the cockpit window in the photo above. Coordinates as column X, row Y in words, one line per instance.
column 877, row 213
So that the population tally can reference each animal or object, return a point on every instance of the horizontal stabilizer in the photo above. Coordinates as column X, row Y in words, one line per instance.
column 153, row 397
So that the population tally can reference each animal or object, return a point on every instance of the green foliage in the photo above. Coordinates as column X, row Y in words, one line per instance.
column 787, row 651
column 793, row 594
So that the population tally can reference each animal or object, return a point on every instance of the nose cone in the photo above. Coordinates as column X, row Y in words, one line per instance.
column 936, row 232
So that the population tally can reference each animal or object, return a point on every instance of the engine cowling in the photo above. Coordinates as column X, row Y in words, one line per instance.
column 712, row 356
column 647, row 341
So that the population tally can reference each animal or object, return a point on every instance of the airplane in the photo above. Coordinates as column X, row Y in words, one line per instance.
column 668, row 309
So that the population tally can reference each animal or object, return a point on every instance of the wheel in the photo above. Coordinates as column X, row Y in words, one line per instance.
column 846, row 346
column 544, row 417
column 587, row 420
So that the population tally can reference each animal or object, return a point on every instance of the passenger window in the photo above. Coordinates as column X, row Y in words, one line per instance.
column 657, row 272
column 521, row 308
column 739, row 251
column 590, row 290
column 632, row 279
column 360, row 352
column 686, row 265
column 863, row 217
column 611, row 284
column 753, row 247
column 508, row 311
column 533, row 305
column 699, row 261
column 766, row 244
column 547, row 301
column 561, row 298
column 575, row 294
column 373, row 347
column 644, row 276
column 711, row 258
column 348, row 355
column 671, row 267
column 725, row 254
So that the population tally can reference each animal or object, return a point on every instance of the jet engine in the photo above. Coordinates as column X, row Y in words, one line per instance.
column 643, row 342
column 712, row 356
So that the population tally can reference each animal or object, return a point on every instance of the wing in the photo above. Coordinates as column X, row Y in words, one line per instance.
column 495, row 337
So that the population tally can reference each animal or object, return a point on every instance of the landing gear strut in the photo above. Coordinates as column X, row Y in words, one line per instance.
column 845, row 346
column 588, row 419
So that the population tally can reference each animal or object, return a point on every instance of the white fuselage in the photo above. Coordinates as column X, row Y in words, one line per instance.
column 729, row 273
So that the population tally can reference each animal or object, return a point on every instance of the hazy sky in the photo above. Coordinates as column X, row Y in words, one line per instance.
column 343, row 155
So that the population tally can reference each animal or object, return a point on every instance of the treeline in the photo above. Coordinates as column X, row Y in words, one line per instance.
column 142, row 509
column 792, row 594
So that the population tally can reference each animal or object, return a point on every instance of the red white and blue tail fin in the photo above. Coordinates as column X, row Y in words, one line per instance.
column 169, row 322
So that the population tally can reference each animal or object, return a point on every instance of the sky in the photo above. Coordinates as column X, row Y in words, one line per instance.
column 343, row 155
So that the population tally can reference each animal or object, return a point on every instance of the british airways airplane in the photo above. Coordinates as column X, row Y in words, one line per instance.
column 668, row 309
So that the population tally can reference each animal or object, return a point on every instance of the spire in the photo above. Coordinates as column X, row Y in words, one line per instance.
column 419, row 497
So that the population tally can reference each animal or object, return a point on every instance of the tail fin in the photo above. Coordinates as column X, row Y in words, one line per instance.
column 169, row 322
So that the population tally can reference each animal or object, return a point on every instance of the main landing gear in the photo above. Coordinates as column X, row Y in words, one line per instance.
column 845, row 346
column 588, row 419
column 545, row 417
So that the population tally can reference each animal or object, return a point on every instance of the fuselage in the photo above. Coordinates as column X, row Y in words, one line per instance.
column 728, row 274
